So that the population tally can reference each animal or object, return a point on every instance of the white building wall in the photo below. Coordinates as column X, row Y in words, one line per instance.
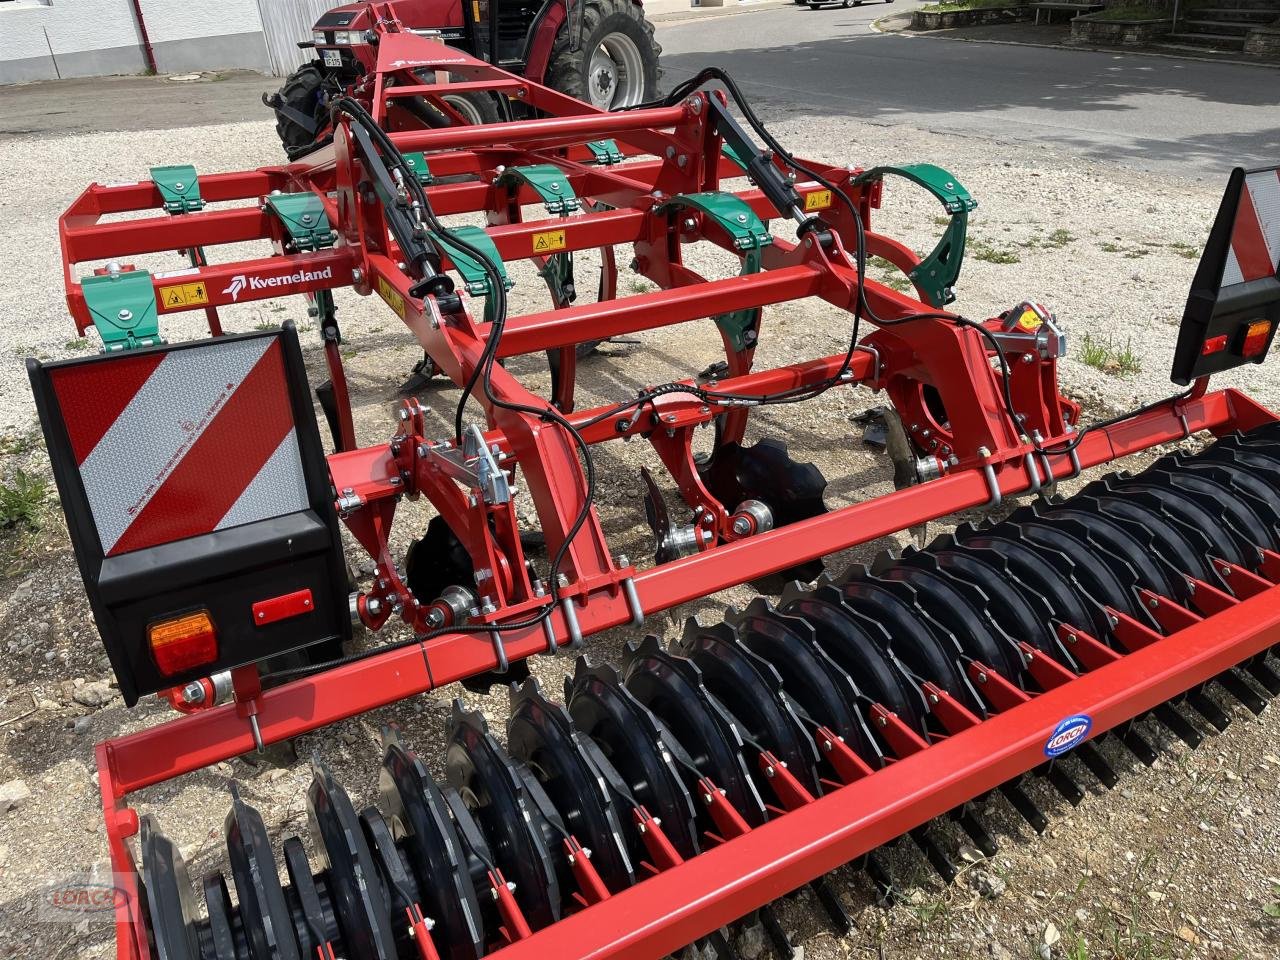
column 81, row 38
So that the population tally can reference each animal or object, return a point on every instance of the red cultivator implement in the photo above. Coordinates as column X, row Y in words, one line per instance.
column 698, row 782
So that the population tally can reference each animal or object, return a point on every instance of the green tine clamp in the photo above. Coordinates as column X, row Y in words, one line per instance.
column 749, row 236
column 123, row 306
column 179, row 188
column 474, row 276
column 304, row 220
column 547, row 181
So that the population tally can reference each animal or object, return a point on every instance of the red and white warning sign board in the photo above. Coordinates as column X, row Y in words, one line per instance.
column 1255, row 239
column 179, row 443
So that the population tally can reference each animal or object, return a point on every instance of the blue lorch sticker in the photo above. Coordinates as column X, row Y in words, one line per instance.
column 1070, row 733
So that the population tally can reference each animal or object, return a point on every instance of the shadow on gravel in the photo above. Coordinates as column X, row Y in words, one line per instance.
column 934, row 85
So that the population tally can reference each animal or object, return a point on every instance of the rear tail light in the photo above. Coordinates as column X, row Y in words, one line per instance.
column 1255, row 338
column 183, row 643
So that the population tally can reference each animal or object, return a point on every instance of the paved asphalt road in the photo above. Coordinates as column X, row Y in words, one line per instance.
column 1196, row 118
column 1181, row 116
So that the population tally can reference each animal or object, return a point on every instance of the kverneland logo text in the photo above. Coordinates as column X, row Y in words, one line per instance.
column 240, row 282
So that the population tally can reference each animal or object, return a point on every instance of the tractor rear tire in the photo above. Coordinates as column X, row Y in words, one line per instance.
column 301, row 91
column 616, row 65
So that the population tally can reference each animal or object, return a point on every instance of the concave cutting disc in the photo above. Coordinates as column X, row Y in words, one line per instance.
column 219, row 940
column 360, row 903
column 521, row 838
column 752, row 690
column 264, row 912
column 584, row 787
column 765, row 472
column 638, row 745
column 420, row 815
column 672, row 688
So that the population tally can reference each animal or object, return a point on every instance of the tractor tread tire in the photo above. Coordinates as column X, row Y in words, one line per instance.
column 567, row 69
column 299, row 91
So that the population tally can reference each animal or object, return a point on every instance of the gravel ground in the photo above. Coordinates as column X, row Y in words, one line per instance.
column 1179, row 861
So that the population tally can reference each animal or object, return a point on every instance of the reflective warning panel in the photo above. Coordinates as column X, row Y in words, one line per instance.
column 195, row 489
column 174, row 444
column 1234, row 305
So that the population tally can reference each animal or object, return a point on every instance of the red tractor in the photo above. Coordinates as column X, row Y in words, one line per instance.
column 601, row 51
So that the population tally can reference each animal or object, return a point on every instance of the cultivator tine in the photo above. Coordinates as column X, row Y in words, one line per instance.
column 782, row 945
column 1070, row 791
column 837, row 916
column 1208, row 711
column 1137, row 744
column 934, row 855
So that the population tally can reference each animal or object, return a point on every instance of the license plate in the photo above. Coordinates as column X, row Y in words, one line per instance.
column 332, row 58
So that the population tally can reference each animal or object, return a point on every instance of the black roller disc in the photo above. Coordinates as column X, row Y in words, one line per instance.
column 420, row 815
column 955, row 608
column 926, row 647
column 218, row 940
column 264, row 912
column 1250, row 489
column 752, row 690
column 857, row 648
column 1023, row 616
column 640, row 748
column 512, row 812
column 1103, row 576
column 584, row 787
column 1052, row 578
column 671, row 686
column 170, row 899
column 815, row 681
column 359, row 901
column 765, row 472
column 401, row 887
column 314, row 923
column 1214, row 491
column 1201, row 504
column 1266, row 433
column 1261, row 461
column 1114, row 540
column 1168, row 542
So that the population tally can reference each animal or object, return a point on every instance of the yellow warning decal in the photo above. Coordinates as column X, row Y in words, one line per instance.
column 392, row 296
column 818, row 200
column 1030, row 321
column 548, row 241
column 183, row 295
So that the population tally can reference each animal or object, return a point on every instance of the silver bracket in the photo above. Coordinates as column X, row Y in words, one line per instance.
column 474, row 466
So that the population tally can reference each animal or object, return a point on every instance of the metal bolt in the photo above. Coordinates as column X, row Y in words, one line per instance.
column 307, row 218
column 193, row 692
column 1226, row 571
column 357, row 275
column 622, row 560
column 742, row 218
column 555, row 187
column 827, row 746
column 984, row 452
column 1071, row 638
column 982, row 678
column 770, row 772
column 125, row 314
column 671, row 153
column 1153, row 603
column 1113, row 621
column 742, row 526
column 179, row 185
column 1027, row 358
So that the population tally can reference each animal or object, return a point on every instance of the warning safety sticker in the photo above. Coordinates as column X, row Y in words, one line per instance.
column 183, row 295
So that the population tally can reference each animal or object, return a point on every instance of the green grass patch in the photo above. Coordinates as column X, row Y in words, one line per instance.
column 890, row 275
column 21, row 501
column 990, row 253
column 1107, row 356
